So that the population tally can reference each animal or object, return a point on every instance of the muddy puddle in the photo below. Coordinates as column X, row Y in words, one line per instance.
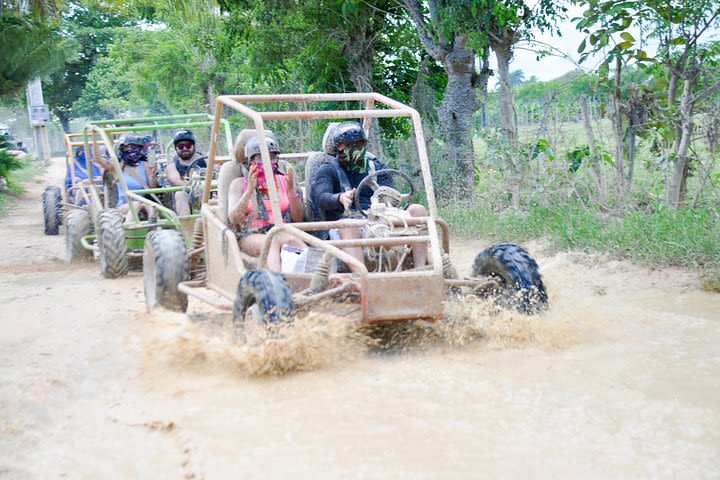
column 618, row 379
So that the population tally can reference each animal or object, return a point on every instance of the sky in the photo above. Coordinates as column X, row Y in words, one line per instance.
column 550, row 67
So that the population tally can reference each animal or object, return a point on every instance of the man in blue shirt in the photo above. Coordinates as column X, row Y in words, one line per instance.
column 77, row 168
column 335, row 185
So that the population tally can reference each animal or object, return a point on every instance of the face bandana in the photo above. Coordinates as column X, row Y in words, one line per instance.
column 352, row 158
column 261, row 180
column 132, row 156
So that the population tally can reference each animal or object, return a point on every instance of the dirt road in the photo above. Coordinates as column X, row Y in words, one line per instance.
column 620, row 379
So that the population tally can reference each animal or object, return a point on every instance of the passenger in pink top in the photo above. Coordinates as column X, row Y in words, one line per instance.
column 249, row 208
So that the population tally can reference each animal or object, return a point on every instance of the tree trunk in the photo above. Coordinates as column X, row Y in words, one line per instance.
column 594, row 160
column 508, row 114
column 423, row 100
column 209, row 97
column 359, row 50
column 618, row 128
column 64, row 121
column 459, row 104
column 680, row 173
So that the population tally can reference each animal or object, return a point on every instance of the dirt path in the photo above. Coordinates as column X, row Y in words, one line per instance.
column 621, row 379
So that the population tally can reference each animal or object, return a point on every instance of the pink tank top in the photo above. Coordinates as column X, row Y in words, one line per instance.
column 256, row 223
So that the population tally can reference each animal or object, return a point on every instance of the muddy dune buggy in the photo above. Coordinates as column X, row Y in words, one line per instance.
column 70, row 203
column 120, row 243
column 386, row 287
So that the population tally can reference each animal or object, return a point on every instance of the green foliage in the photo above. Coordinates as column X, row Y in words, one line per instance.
column 581, row 156
column 31, row 48
column 685, row 238
column 94, row 30
column 108, row 92
column 488, row 21
column 8, row 163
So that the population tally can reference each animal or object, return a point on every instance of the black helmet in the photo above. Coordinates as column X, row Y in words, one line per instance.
column 183, row 135
column 348, row 132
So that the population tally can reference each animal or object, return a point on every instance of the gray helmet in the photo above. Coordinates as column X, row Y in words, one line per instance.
column 128, row 139
column 131, row 139
column 252, row 147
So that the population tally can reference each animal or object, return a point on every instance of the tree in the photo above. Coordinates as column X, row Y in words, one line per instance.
column 680, row 28
column 323, row 45
column 446, row 41
column 455, row 33
column 94, row 29
column 517, row 77
column 31, row 48
column 107, row 93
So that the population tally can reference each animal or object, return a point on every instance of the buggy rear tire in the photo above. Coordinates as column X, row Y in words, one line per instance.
column 518, row 274
column 112, row 245
column 52, row 209
column 263, row 297
column 79, row 225
column 164, row 267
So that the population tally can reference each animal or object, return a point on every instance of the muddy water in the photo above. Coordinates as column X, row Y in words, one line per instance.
column 621, row 379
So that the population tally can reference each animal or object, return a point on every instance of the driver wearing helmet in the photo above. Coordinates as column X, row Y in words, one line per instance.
column 77, row 170
column 137, row 173
column 249, row 208
column 177, row 172
column 335, row 186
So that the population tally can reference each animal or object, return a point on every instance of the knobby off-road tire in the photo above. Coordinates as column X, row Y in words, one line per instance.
column 112, row 245
column 52, row 209
column 518, row 274
column 263, row 297
column 164, row 267
column 79, row 224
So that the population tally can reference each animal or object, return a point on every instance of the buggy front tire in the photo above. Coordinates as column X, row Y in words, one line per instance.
column 164, row 267
column 112, row 245
column 263, row 298
column 79, row 225
column 52, row 209
column 517, row 273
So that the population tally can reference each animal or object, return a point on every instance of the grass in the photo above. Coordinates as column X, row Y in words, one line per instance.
column 26, row 174
column 686, row 238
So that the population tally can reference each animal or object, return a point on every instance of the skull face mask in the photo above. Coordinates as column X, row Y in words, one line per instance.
column 131, row 154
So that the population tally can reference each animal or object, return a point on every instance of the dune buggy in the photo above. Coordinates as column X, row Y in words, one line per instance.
column 70, row 202
column 118, row 242
column 384, row 288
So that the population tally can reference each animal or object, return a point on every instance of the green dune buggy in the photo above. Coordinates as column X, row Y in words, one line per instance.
column 118, row 242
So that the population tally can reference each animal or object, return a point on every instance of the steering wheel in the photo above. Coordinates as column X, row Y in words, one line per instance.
column 371, row 181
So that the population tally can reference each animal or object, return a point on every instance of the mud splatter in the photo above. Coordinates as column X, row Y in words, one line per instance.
column 311, row 342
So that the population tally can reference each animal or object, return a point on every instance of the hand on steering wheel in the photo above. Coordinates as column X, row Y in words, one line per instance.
column 371, row 181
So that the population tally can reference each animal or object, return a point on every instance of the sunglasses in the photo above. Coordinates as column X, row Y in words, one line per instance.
column 185, row 146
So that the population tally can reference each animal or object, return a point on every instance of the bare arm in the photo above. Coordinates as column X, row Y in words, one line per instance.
column 173, row 176
column 151, row 174
column 297, row 209
column 239, row 197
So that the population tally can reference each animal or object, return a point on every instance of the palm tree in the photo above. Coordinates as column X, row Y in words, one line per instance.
column 31, row 48
column 516, row 77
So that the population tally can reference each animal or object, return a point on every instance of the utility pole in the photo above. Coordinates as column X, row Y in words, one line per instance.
column 39, row 114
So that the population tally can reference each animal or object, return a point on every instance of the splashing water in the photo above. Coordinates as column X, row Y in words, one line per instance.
column 319, row 340
column 313, row 341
